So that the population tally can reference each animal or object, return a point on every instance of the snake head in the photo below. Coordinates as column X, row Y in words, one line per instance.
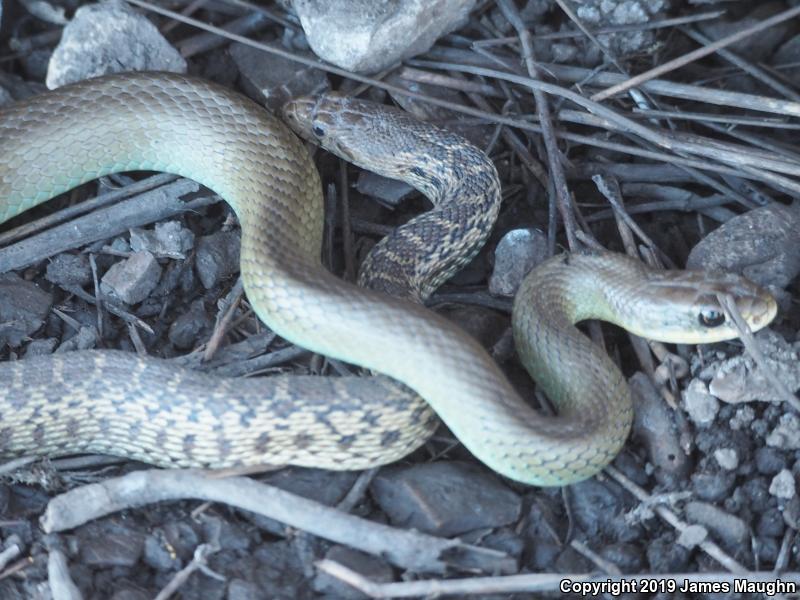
column 685, row 307
column 325, row 119
column 379, row 138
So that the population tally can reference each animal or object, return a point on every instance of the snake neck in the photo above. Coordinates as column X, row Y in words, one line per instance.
column 557, row 294
column 459, row 180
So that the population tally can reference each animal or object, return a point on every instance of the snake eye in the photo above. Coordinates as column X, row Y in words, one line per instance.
column 318, row 131
column 711, row 318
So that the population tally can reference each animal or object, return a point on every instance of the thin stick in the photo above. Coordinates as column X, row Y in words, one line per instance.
column 554, row 158
column 406, row 549
column 586, row 584
column 697, row 54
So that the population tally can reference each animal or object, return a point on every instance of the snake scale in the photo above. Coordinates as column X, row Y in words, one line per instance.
column 144, row 408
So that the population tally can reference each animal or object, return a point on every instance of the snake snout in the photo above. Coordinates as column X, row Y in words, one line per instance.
column 298, row 115
column 757, row 308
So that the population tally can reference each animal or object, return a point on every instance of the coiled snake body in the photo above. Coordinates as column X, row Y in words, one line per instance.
column 144, row 408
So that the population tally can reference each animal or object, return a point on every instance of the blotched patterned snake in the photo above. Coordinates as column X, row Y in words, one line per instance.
column 145, row 408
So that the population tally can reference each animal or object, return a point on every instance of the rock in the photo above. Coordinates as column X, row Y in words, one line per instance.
column 742, row 418
column 184, row 330
column 85, row 339
column 371, row 567
column 169, row 239
column 597, row 508
column 389, row 191
column 601, row 13
column 484, row 324
column 701, row 406
column 727, row 458
column 273, row 80
column 517, row 253
column 41, row 347
column 369, row 35
column 217, row 257
column 110, row 544
column 158, row 555
column 23, row 308
column 770, row 461
column 692, row 535
column 279, row 572
column 727, row 528
column 321, row 485
column 738, row 379
column 756, row 494
column 69, row 269
column 110, row 37
column 787, row 434
column 713, row 487
column 181, row 537
column 444, row 498
column 740, row 246
column 783, row 485
column 654, row 425
column 771, row 523
column 132, row 279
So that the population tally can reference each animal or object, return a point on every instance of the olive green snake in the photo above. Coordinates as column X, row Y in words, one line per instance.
column 144, row 408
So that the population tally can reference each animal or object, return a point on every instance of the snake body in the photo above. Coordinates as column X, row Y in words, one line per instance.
column 145, row 408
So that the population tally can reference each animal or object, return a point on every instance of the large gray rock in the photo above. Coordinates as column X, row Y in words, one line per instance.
column 110, row 37
column 370, row 35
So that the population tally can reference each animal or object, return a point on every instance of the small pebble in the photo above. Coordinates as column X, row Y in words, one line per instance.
column 771, row 523
column 783, row 485
column 444, row 498
column 110, row 37
column 743, row 417
column 184, row 331
column 727, row 458
column 596, row 508
column 131, row 280
column 770, row 461
column 85, row 339
column 217, row 257
column 168, row 239
column 274, row 80
column 69, row 269
column 158, row 554
column 23, row 308
column 787, row 434
column 517, row 253
column 701, row 406
column 692, row 535
column 369, row 35
column 726, row 527
column 110, row 544
column 389, row 191
column 713, row 486
column 41, row 347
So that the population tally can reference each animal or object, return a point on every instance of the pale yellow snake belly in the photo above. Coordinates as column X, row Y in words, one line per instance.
column 144, row 408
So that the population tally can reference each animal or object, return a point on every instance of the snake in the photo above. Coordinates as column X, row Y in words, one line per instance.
column 420, row 364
